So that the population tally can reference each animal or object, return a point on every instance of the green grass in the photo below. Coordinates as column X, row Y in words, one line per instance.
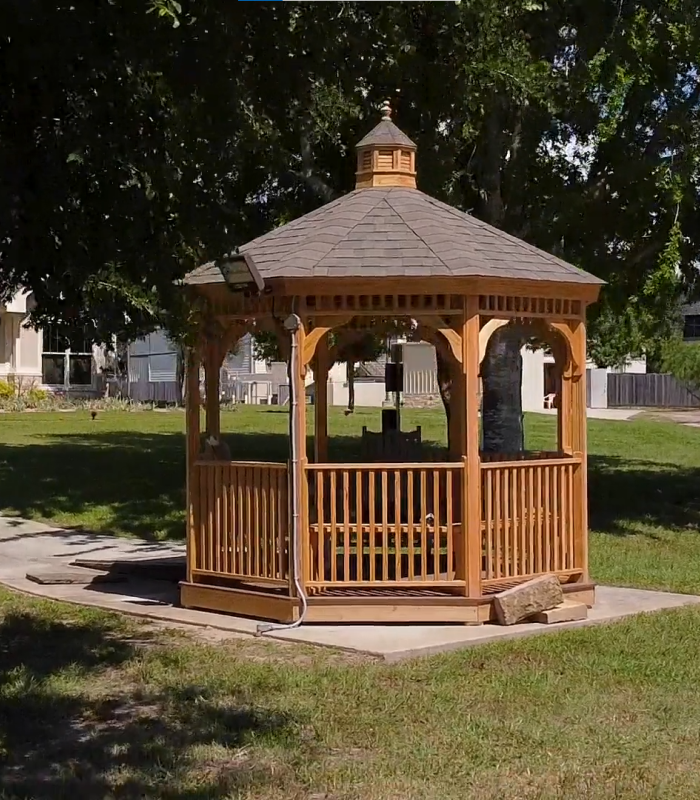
column 93, row 706
column 124, row 473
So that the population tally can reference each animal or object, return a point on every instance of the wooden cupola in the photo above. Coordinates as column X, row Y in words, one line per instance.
column 386, row 156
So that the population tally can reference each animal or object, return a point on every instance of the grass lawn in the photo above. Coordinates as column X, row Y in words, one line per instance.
column 97, row 706
column 124, row 473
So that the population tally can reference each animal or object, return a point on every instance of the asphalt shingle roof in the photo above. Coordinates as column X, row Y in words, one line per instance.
column 395, row 232
column 386, row 133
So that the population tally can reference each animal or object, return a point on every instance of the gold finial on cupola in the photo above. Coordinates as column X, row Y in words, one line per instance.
column 386, row 156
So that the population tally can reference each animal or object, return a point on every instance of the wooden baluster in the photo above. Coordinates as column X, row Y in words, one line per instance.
column 539, row 510
column 423, row 526
column 397, row 525
column 320, row 482
column 530, row 503
column 571, row 527
column 274, row 526
column 385, row 531
column 487, row 481
column 346, row 522
column 508, row 528
column 246, row 521
column 241, row 530
column 211, row 518
column 215, row 541
column 257, row 516
column 283, row 524
column 547, row 506
column 436, row 525
column 411, row 532
column 512, row 488
column 372, row 525
column 265, row 513
column 359, row 511
column 225, row 518
column 500, row 524
column 558, row 518
column 449, row 522
column 334, row 526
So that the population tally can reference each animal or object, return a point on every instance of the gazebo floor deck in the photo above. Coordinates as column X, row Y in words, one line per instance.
column 361, row 604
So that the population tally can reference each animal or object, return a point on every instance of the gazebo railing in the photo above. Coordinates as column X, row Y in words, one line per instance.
column 528, row 513
column 241, row 523
column 389, row 525
column 384, row 524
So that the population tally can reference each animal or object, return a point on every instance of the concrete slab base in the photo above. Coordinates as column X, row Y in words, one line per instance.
column 158, row 600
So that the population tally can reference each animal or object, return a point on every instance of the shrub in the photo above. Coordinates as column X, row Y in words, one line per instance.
column 7, row 390
column 36, row 396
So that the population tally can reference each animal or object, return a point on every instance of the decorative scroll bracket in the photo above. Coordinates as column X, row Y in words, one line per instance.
column 453, row 338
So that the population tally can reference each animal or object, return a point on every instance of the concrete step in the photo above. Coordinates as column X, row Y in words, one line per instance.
column 82, row 577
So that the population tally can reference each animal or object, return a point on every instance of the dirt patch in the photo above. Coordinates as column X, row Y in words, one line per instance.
column 262, row 650
column 680, row 416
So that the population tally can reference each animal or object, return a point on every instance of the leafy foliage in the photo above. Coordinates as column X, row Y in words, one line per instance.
column 682, row 359
column 136, row 144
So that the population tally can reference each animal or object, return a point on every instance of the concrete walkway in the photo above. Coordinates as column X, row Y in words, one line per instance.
column 29, row 546
column 619, row 414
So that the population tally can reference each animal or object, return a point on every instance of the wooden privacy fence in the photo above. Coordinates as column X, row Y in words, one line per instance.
column 241, row 522
column 528, row 517
column 384, row 524
column 650, row 390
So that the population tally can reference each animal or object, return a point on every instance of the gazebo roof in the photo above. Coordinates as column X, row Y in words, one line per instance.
column 394, row 231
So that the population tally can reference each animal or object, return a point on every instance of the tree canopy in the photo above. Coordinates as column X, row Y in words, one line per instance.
column 136, row 144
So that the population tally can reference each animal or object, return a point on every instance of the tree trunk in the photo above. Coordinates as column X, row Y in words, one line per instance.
column 502, row 407
column 180, row 375
column 351, row 388
column 444, row 379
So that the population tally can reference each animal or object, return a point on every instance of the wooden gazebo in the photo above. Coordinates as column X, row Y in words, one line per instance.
column 427, row 541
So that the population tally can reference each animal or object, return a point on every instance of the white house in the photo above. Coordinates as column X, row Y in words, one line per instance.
column 42, row 357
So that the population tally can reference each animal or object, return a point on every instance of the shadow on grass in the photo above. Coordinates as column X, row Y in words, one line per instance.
column 134, row 483
column 624, row 491
column 71, row 727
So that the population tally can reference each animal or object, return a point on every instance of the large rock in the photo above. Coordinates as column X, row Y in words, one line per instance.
column 526, row 599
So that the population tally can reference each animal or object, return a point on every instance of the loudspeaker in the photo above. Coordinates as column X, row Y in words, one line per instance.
column 393, row 377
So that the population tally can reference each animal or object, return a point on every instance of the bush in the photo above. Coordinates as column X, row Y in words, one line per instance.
column 35, row 397
column 7, row 390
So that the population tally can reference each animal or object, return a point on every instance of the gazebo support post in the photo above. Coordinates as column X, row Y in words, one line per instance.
column 213, row 359
column 578, row 435
column 471, row 496
column 192, row 404
column 297, row 372
column 321, row 369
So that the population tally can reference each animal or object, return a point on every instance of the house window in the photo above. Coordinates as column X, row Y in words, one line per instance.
column 66, row 359
column 691, row 326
